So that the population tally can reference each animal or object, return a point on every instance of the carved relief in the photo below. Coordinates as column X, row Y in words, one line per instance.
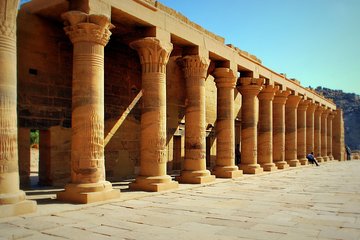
column 154, row 54
column 8, row 13
column 194, row 66
column 82, row 27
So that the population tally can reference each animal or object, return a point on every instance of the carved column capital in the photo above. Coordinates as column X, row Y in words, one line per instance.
column 154, row 54
column 268, row 92
column 281, row 96
column 83, row 27
column 195, row 66
column 250, row 86
column 325, row 113
column 224, row 78
column 331, row 115
column 293, row 101
column 303, row 105
column 8, row 12
column 311, row 108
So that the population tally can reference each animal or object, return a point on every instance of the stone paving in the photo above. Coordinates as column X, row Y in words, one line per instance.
column 300, row 203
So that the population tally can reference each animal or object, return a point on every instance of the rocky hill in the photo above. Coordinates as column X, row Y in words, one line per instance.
column 350, row 103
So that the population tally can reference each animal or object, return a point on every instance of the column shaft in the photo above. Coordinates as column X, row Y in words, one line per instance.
column 12, row 199
column 330, row 135
column 338, row 136
column 317, row 133
column 324, row 135
column 154, row 56
column 89, row 34
column 225, row 129
column 301, row 131
column 291, row 130
column 195, row 69
column 279, row 129
column 265, row 129
column 249, row 89
column 310, row 128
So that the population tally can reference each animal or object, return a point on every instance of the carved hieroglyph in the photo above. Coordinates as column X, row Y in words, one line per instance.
column 291, row 130
column 249, row 88
column 195, row 71
column 89, row 35
column 225, row 130
column 265, row 129
column 12, row 199
column 301, row 131
column 279, row 129
column 154, row 55
column 317, row 133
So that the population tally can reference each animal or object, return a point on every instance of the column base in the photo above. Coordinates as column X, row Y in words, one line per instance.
column 227, row 172
column 293, row 163
column 282, row 165
column 269, row 167
column 195, row 177
column 326, row 158
column 88, row 192
column 15, row 204
column 319, row 159
column 154, row 183
column 304, row 161
column 331, row 157
column 251, row 168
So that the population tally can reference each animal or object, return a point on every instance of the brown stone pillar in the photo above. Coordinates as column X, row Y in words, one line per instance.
column 301, row 131
column 265, row 128
column 338, row 136
column 154, row 55
column 195, row 69
column 12, row 199
column 89, row 35
column 324, row 135
column 225, row 130
column 291, row 130
column 310, row 128
column 249, row 89
column 279, row 129
column 330, row 135
column 317, row 133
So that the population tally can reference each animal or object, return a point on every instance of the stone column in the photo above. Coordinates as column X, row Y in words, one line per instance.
column 317, row 133
column 279, row 129
column 338, row 136
column 324, row 134
column 89, row 35
column 154, row 55
column 310, row 128
column 265, row 128
column 301, row 131
column 330, row 135
column 291, row 130
column 225, row 130
column 249, row 89
column 12, row 199
column 195, row 68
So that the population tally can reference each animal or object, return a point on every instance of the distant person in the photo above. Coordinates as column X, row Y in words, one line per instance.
column 348, row 152
column 312, row 159
column 237, row 154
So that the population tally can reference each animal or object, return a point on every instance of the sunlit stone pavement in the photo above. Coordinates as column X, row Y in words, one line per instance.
column 300, row 203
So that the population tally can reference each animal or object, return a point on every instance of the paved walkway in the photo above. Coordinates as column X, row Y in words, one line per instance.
column 300, row 203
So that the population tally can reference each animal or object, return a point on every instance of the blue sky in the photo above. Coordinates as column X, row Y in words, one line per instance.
column 314, row 41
